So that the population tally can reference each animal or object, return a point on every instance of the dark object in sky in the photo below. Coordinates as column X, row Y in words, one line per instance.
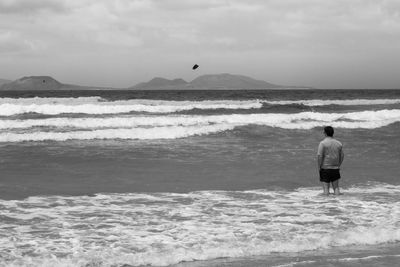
column 195, row 66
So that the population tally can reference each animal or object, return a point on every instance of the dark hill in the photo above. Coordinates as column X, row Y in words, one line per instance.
column 44, row 83
column 211, row 81
column 33, row 83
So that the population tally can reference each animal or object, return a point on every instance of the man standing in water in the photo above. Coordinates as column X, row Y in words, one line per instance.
column 330, row 157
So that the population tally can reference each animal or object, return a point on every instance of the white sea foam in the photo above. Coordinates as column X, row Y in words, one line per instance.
column 337, row 261
column 303, row 120
column 342, row 102
column 98, row 105
column 167, row 228
column 168, row 132
column 366, row 258
column 178, row 126
column 95, row 106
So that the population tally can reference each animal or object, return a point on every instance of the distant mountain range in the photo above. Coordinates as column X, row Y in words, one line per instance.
column 33, row 83
column 42, row 83
column 210, row 81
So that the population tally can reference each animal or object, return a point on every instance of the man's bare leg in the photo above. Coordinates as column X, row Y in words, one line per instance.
column 325, row 186
column 335, row 185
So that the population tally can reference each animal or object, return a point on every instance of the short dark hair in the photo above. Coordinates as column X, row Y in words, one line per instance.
column 329, row 131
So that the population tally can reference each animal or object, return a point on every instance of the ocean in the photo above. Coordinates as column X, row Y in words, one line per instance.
column 197, row 178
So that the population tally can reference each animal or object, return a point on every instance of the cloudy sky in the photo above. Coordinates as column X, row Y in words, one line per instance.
column 118, row 43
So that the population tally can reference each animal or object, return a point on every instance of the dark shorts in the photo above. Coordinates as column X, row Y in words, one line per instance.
column 329, row 175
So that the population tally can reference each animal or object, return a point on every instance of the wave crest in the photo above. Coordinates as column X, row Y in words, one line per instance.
column 178, row 126
column 98, row 105
column 120, row 106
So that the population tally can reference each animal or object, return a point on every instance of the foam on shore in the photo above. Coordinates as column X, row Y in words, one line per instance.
column 167, row 228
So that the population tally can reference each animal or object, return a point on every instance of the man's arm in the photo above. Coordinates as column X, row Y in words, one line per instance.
column 319, row 161
column 341, row 156
column 320, row 156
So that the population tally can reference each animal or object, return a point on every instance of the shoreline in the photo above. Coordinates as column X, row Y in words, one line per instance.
column 385, row 254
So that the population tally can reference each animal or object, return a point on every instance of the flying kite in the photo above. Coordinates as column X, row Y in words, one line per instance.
column 195, row 66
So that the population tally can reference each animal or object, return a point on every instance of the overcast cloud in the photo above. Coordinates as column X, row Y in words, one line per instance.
column 320, row 43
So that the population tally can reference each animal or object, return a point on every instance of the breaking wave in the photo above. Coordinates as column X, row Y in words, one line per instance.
column 99, row 118
column 167, row 228
column 168, row 132
column 341, row 102
column 303, row 120
column 98, row 105
column 178, row 126
column 95, row 106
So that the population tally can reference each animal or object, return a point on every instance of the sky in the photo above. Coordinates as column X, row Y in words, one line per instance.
column 119, row 43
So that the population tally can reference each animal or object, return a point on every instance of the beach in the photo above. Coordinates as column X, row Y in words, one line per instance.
column 197, row 178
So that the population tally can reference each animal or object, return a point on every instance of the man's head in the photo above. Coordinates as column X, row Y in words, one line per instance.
column 328, row 130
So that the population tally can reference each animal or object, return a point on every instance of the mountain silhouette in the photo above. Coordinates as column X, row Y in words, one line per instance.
column 210, row 81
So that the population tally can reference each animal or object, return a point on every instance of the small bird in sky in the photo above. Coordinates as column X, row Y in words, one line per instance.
column 195, row 66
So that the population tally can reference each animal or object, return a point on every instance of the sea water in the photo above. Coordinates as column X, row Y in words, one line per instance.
column 208, row 178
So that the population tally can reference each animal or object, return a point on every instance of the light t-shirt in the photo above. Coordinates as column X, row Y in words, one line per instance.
column 331, row 151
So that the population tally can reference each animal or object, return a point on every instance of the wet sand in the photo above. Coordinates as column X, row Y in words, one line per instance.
column 386, row 255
